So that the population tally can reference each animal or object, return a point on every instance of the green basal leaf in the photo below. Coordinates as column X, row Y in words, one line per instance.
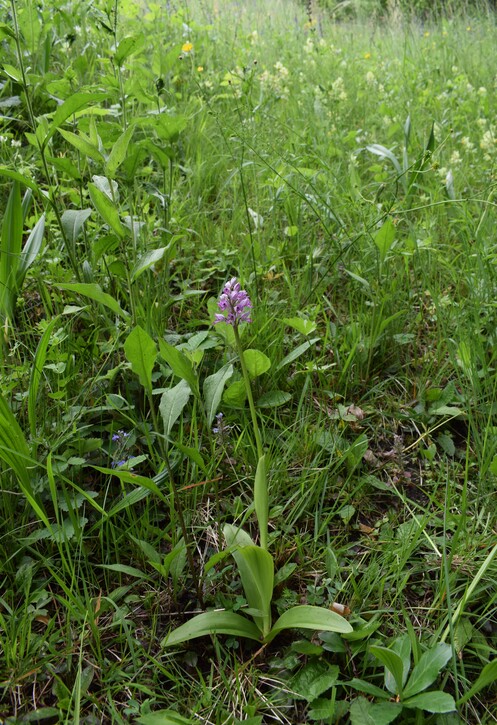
column 427, row 669
column 213, row 390
column 256, row 569
column 393, row 664
column 179, row 364
column 433, row 701
column 402, row 647
column 309, row 617
column 209, row 623
column 384, row 238
column 172, row 403
column 261, row 500
column 141, row 351
column 95, row 292
column 146, row 261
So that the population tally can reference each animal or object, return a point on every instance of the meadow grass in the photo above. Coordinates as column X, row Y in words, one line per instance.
column 343, row 168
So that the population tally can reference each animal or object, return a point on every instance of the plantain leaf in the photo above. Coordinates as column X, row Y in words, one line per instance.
column 212, row 623
column 172, row 403
column 213, row 390
column 118, row 152
column 309, row 617
column 141, row 352
column 107, row 210
column 95, row 292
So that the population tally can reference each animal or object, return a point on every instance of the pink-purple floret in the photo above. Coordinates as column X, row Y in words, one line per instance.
column 235, row 302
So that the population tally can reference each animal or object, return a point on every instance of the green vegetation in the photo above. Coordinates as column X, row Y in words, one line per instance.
column 291, row 519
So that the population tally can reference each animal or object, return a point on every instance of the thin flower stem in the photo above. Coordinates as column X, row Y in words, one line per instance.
column 246, row 378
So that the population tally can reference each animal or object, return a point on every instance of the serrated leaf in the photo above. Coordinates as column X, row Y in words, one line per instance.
column 141, row 352
column 172, row 403
column 256, row 362
column 213, row 390
column 363, row 712
column 313, row 679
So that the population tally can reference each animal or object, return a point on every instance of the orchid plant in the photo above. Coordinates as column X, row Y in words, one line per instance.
column 255, row 563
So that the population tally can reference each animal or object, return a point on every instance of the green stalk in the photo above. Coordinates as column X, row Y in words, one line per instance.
column 246, row 378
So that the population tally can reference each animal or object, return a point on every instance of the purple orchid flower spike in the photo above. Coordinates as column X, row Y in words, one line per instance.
column 235, row 302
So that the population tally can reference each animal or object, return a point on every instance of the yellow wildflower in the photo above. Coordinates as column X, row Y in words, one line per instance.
column 200, row 68
column 187, row 47
column 367, row 56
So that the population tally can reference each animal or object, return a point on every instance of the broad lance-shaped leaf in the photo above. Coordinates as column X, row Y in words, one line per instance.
column 73, row 221
column 141, row 352
column 179, row 364
column 147, row 260
column 309, row 617
column 95, row 292
column 384, row 238
column 172, row 403
column 213, row 390
column 487, row 676
column 10, row 251
column 212, row 623
column 75, row 102
column 107, row 210
column 118, row 152
column 256, row 569
column 402, row 647
column 31, row 249
column 393, row 663
column 427, row 670
column 261, row 500
column 434, row 701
